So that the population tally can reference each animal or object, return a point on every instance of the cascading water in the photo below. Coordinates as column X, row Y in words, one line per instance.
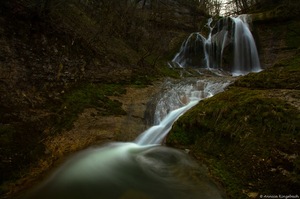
column 176, row 101
column 190, row 50
column 229, row 47
column 245, row 53
column 144, row 168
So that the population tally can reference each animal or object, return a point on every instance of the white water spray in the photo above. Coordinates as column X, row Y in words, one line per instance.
column 143, row 169
column 229, row 35
column 174, row 103
column 245, row 54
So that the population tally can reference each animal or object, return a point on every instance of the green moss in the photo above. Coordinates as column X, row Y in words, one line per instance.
column 249, row 132
column 233, row 185
column 284, row 75
column 245, row 133
column 221, row 112
column 178, row 137
column 89, row 96
column 293, row 34
column 169, row 72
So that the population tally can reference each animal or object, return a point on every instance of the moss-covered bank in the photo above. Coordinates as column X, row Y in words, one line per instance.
column 249, row 135
column 88, row 96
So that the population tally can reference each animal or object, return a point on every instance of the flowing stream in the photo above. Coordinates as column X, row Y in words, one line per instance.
column 178, row 98
column 144, row 168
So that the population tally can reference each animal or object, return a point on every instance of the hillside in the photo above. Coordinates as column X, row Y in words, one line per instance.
column 79, row 73
column 249, row 135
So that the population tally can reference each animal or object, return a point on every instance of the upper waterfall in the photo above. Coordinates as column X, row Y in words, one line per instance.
column 229, row 47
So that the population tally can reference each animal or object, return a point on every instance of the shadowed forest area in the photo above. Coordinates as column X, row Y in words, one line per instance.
column 62, row 62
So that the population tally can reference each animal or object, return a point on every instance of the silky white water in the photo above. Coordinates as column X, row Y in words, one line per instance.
column 229, row 47
column 143, row 168
column 245, row 53
column 176, row 101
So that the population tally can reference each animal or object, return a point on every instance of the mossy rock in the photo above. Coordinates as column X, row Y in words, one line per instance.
column 88, row 96
column 284, row 75
column 249, row 134
column 250, row 140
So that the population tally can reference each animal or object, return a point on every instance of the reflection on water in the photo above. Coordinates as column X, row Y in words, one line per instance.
column 128, row 170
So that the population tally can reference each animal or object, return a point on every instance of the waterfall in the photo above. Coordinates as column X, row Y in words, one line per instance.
column 176, row 101
column 245, row 53
column 229, row 47
column 190, row 50
column 144, row 168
